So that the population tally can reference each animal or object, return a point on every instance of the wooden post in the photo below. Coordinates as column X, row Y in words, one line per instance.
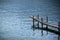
column 42, row 26
column 58, row 30
column 42, row 22
column 33, row 21
column 33, row 24
column 47, row 22
column 38, row 21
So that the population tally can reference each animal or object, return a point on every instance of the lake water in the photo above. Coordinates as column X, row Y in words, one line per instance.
column 15, row 23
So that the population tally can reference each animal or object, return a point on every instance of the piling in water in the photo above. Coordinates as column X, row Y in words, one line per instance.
column 42, row 26
column 47, row 22
column 58, row 30
column 38, row 21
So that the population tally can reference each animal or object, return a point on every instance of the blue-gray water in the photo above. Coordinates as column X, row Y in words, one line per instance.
column 15, row 23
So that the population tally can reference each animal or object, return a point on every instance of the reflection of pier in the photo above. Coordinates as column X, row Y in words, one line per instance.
column 36, row 19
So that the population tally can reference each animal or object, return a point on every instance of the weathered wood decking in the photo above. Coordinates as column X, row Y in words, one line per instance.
column 35, row 18
column 47, row 25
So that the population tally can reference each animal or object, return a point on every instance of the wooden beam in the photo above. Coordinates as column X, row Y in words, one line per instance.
column 35, row 18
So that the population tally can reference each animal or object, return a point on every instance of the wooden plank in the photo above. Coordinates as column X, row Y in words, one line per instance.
column 35, row 18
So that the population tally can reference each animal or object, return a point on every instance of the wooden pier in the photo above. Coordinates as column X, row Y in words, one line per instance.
column 36, row 19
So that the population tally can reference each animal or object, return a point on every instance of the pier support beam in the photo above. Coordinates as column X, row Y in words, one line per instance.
column 47, row 22
column 38, row 21
column 42, row 26
column 33, row 21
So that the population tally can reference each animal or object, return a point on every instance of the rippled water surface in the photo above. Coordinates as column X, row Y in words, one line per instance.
column 15, row 23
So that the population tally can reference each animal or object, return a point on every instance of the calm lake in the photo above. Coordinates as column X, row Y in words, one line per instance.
column 15, row 23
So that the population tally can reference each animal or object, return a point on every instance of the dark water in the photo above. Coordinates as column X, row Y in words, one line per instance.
column 15, row 23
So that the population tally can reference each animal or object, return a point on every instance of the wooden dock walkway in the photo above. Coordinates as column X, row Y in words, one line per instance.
column 36, row 19
column 45, row 23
